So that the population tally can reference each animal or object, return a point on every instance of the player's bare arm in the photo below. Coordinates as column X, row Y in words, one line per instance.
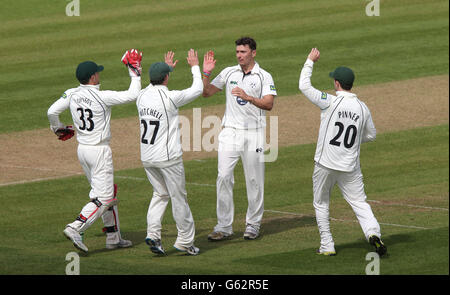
column 265, row 103
column 208, row 66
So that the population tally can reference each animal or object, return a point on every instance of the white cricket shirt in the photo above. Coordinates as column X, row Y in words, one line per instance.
column 91, row 110
column 239, row 113
column 158, row 116
column 345, row 122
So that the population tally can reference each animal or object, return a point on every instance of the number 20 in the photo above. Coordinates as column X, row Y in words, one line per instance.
column 348, row 144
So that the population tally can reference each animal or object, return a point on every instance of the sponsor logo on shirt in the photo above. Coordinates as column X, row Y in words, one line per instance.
column 324, row 95
column 272, row 87
column 233, row 82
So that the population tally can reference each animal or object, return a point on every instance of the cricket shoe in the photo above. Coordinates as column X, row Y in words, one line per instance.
column 326, row 253
column 218, row 236
column 192, row 250
column 75, row 237
column 121, row 244
column 251, row 232
column 155, row 246
column 380, row 248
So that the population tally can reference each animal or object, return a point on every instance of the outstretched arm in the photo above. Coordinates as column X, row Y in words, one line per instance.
column 132, row 59
column 317, row 97
column 185, row 96
column 208, row 66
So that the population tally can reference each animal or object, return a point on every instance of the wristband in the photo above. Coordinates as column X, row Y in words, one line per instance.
column 207, row 74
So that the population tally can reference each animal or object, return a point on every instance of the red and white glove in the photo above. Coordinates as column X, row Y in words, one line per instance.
column 132, row 59
column 65, row 133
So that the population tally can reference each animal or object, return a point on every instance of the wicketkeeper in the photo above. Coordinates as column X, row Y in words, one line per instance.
column 91, row 113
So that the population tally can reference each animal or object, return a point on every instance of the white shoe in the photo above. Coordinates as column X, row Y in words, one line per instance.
column 121, row 244
column 326, row 253
column 192, row 250
column 155, row 246
column 76, row 238
column 251, row 232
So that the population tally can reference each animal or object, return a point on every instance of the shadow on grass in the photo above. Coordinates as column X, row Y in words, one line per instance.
column 351, row 257
column 269, row 226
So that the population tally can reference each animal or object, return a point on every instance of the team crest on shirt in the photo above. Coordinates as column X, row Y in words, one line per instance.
column 241, row 101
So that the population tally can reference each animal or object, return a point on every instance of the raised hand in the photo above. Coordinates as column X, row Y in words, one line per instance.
column 168, row 59
column 314, row 55
column 209, row 62
column 132, row 59
column 192, row 58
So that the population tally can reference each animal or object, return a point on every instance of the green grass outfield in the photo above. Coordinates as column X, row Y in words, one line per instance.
column 406, row 173
column 408, row 169
column 40, row 46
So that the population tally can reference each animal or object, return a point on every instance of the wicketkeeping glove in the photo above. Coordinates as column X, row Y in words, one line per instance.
column 132, row 59
column 65, row 133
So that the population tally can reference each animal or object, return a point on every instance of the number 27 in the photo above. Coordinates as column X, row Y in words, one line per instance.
column 144, row 133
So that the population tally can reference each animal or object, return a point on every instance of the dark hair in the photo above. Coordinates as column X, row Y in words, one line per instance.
column 159, row 82
column 344, row 86
column 246, row 41
column 84, row 81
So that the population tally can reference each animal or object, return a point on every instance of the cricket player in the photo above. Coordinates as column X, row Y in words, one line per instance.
column 161, row 152
column 250, row 92
column 345, row 123
column 91, row 113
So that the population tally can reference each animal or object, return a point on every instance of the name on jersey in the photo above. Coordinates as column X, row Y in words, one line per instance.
column 348, row 115
column 83, row 100
column 150, row 112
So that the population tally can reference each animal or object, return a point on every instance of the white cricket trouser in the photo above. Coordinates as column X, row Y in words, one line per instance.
column 248, row 145
column 169, row 183
column 352, row 188
column 97, row 164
